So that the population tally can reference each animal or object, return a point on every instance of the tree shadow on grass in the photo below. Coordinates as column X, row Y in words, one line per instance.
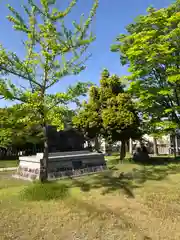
column 160, row 160
column 113, row 168
column 83, row 185
column 112, row 184
column 108, row 182
column 153, row 160
column 112, row 181
column 156, row 171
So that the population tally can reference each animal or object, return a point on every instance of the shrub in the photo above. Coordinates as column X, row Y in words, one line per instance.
column 44, row 192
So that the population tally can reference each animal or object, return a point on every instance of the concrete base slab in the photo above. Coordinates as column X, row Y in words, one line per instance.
column 61, row 165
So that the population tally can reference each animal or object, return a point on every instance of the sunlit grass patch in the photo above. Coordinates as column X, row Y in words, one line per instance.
column 8, row 163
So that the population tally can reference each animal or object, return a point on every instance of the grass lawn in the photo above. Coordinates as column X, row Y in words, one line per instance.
column 8, row 163
column 143, row 204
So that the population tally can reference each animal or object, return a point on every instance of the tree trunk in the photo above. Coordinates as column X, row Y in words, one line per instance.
column 103, row 144
column 174, row 145
column 89, row 144
column 122, row 151
column 96, row 146
column 176, row 142
column 141, row 143
column 44, row 161
column 155, row 148
column 130, row 146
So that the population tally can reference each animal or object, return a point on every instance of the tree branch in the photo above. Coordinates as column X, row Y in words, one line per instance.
column 19, row 75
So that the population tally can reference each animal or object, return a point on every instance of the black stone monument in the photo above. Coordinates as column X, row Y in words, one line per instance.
column 65, row 140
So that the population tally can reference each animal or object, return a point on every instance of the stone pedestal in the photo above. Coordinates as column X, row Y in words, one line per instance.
column 61, row 165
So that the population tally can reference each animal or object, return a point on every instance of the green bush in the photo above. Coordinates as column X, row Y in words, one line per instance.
column 44, row 192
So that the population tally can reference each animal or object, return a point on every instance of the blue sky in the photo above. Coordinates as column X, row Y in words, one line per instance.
column 111, row 19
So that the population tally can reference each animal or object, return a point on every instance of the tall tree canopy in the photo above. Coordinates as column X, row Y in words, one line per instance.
column 109, row 112
column 151, row 50
column 52, row 51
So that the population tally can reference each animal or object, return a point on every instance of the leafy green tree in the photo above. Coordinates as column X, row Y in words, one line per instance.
column 14, row 131
column 109, row 112
column 52, row 52
column 151, row 50
column 5, row 132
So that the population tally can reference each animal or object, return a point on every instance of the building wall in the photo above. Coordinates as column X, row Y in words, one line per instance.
column 161, row 140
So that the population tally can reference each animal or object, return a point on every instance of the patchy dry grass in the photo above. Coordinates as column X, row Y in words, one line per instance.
column 144, row 203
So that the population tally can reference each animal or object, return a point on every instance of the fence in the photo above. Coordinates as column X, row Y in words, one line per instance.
column 13, row 154
column 8, row 154
column 163, row 149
